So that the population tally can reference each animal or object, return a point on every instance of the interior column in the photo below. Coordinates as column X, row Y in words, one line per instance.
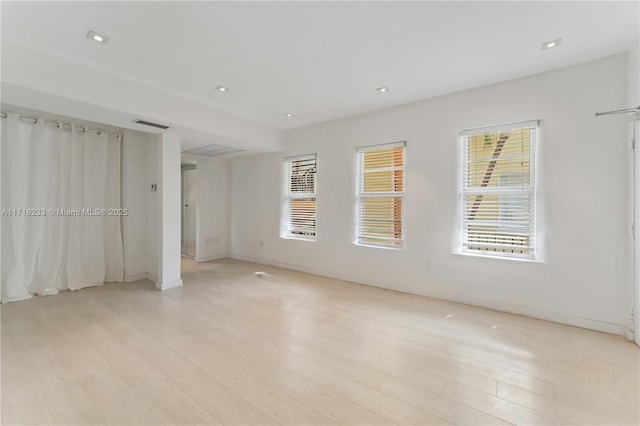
column 169, row 274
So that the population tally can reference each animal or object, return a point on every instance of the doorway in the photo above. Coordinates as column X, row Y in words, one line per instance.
column 189, row 232
column 636, row 218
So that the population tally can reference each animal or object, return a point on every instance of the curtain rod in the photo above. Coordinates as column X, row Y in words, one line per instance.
column 63, row 125
column 619, row 111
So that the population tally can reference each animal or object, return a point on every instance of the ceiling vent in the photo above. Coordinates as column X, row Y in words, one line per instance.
column 148, row 123
column 212, row 150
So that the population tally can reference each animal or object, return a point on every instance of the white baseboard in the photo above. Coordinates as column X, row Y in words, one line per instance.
column 135, row 277
column 558, row 317
column 210, row 258
column 628, row 333
column 141, row 276
column 168, row 284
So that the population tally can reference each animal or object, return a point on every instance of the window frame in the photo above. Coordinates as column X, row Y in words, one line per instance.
column 361, row 195
column 530, row 190
column 286, row 226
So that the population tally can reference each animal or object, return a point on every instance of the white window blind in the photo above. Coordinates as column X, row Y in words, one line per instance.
column 299, row 206
column 380, row 194
column 498, row 193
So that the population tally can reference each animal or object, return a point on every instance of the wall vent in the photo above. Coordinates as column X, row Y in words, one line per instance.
column 148, row 123
column 212, row 150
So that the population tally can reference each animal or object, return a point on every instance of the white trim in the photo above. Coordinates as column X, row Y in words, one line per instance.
column 210, row 258
column 634, row 314
column 152, row 277
column 530, row 190
column 629, row 333
column 136, row 277
column 361, row 195
column 312, row 156
column 380, row 246
column 168, row 284
column 287, row 230
column 382, row 146
column 505, row 126
column 299, row 238
column 591, row 324
column 503, row 256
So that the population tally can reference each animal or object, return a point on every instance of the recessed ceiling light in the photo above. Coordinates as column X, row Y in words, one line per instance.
column 92, row 35
column 551, row 44
column 222, row 89
column 382, row 89
column 289, row 115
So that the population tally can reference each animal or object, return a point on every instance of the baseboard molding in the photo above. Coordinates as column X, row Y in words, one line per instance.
column 558, row 317
column 168, row 284
column 141, row 276
column 210, row 258
column 628, row 333
column 135, row 277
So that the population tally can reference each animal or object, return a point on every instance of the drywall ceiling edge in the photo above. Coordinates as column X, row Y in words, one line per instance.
column 32, row 79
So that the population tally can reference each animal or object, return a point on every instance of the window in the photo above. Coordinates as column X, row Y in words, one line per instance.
column 380, row 195
column 498, row 192
column 299, row 207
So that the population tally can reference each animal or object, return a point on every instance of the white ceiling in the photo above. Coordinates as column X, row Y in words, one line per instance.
column 321, row 60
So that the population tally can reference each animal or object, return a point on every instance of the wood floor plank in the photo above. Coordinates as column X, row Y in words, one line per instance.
column 397, row 410
column 60, row 392
column 567, row 413
column 518, row 371
column 114, row 399
column 457, row 368
column 280, row 406
column 499, row 407
column 230, row 347
column 168, row 402
column 218, row 400
column 525, row 378
column 20, row 405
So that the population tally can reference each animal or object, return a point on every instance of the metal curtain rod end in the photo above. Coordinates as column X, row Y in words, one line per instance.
column 619, row 111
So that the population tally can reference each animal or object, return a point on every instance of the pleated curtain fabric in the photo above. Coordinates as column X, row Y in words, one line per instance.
column 57, row 171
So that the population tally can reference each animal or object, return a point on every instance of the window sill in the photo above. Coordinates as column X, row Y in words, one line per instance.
column 379, row 247
column 287, row 237
column 527, row 259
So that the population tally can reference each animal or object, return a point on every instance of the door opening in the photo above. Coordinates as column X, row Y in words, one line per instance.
column 189, row 233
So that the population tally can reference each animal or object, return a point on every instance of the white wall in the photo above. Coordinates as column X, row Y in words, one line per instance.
column 582, row 209
column 633, row 100
column 153, row 203
column 169, row 211
column 633, row 75
column 140, row 228
column 134, row 198
column 212, row 177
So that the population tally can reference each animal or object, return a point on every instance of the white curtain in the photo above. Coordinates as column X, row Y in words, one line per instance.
column 52, row 169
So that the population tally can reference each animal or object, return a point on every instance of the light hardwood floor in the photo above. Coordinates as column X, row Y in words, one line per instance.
column 291, row 348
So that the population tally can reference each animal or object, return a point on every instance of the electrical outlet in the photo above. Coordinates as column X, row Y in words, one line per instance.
column 427, row 266
column 261, row 243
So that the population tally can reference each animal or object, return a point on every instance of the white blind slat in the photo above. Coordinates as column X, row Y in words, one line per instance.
column 299, row 209
column 380, row 210
column 498, row 204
